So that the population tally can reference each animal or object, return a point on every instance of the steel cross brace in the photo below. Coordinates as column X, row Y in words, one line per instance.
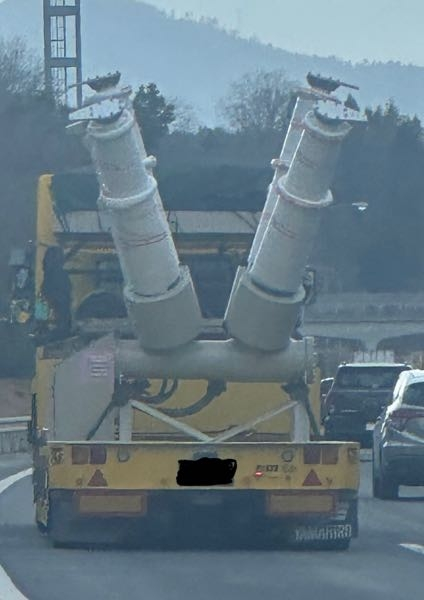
column 203, row 437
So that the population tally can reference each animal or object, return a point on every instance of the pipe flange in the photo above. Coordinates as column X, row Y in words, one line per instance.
column 115, row 204
column 283, row 194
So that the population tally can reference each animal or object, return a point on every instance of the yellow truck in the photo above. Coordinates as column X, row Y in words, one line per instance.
column 170, row 400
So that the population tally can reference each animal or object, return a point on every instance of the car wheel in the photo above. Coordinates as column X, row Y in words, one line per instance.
column 376, row 491
column 388, row 487
column 376, row 483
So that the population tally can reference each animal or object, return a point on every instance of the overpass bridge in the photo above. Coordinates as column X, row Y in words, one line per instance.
column 368, row 318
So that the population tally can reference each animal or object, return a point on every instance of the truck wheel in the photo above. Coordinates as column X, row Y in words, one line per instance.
column 59, row 524
column 376, row 483
column 388, row 487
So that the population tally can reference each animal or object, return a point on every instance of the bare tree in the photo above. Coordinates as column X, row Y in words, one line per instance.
column 20, row 71
column 186, row 119
column 258, row 101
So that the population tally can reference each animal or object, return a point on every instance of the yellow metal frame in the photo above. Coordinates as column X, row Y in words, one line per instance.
column 154, row 465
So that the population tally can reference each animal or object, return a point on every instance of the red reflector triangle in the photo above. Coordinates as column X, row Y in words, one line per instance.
column 97, row 480
column 312, row 479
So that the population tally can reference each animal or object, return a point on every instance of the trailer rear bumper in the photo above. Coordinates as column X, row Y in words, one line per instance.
column 306, row 516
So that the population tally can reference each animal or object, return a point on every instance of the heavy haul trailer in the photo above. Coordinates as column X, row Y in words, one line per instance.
column 149, row 415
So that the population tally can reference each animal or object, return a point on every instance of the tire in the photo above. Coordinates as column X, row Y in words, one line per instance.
column 376, row 483
column 388, row 487
column 68, row 530
column 59, row 524
column 376, row 492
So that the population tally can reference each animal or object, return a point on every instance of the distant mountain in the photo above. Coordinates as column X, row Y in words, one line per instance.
column 197, row 61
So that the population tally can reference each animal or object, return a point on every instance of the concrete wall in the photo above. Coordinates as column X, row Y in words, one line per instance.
column 14, row 440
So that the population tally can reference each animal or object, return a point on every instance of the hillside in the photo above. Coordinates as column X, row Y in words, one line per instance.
column 196, row 61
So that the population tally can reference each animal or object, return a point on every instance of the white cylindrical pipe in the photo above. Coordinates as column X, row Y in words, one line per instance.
column 279, row 263
column 128, row 190
column 304, row 104
column 125, row 422
column 226, row 360
column 301, row 424
column 159, row 293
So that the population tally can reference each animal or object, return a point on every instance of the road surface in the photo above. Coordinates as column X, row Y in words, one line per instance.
column 385, row 563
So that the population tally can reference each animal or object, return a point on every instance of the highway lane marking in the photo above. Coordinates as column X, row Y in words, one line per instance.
column 8, row 481
column 8, row 591
column 413, row 547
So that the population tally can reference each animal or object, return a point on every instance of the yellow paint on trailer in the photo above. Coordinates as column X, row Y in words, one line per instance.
column 240, row 403
column 154, row 466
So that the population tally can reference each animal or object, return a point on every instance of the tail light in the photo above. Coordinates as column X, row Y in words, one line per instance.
column 312, row 455
column 98, row 455
column 93, row 455
column 330, row 455
column 319, row 454
column 399, row 418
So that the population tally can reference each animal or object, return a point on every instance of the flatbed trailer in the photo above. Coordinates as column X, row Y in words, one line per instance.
column 150, row 416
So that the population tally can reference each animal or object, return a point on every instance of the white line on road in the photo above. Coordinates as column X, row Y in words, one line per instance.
column 5, row 483
column 8, row 591
column 414, row 547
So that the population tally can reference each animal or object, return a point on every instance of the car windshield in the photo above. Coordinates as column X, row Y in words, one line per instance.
column 414, row 394
column 368, row 377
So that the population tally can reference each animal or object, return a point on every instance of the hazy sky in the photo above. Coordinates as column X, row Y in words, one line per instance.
column 351, row 29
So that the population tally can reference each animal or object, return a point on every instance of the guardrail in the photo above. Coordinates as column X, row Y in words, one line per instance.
column 14, row 435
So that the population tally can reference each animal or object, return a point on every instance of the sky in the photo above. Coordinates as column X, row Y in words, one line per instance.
column 355, row 30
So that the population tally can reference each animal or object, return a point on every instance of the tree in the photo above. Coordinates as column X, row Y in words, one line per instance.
column 259, row 101
column 34, row 141
column 20, row 72
column 381, row 163
column 153, row 113
column 186, row 119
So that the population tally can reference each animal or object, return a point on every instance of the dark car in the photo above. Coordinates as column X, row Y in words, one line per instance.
column 359, row 394
column 398, row 445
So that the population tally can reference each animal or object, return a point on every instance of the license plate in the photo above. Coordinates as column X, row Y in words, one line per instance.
column 327, row 532
column 370, row 426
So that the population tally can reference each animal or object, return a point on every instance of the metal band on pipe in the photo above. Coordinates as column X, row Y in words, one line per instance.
column 329, row 135
column 297, row 201
column 109, row 203
column 101, row 133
